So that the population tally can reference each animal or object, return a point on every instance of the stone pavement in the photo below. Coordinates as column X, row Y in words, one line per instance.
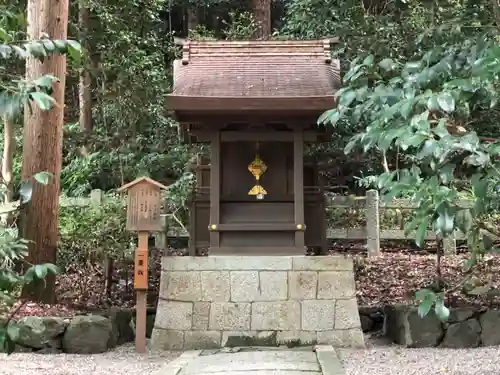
column 320, row 360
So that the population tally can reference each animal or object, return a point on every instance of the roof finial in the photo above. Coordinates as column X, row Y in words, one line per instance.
column 185, row 52
column 327, row 52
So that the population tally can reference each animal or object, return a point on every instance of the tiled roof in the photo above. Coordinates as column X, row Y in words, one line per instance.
column 255, row 70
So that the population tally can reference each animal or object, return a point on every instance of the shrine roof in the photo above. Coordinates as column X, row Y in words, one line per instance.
column 255, row 75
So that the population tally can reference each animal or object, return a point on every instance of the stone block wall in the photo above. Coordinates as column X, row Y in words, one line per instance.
column 216, row 301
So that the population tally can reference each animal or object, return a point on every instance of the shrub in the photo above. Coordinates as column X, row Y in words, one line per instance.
column 90, row 234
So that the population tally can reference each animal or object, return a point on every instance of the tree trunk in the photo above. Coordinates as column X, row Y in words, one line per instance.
column 42, row 151
column 262, row 14
column 85, row 84
column 192, row 19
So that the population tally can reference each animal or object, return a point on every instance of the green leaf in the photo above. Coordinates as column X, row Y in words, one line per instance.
column 446, row 173
column 35, row 48
column 43, row 177
column 421, row 231
column 432, row 103
column 347, row 98
column 46, row 81
column 387, row 64
column 440, row 130
column 51, row 268
column 368, row 61
column 74, row 44
column 442, row 311
column 479, row 187
column 413, row 66
column 25, row 191
column 5, row 51
column 446, row 102
column 424, row 307
column 407, row 108
column 21, row 52
column 464, row 220
column 43, row 100
column 445, row 222
column 422, row 294
column 350, row 145
column 40, row 271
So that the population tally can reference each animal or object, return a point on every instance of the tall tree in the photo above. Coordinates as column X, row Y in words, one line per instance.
column 43, row 138
column 262, row 13
column 85, row 89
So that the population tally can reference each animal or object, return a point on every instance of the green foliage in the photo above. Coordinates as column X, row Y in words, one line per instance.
column 423, row 108
column 428, row 299
column 130, row 70
column 13, row 250
column 91, row 233
column 16, row 94
column 241, row 26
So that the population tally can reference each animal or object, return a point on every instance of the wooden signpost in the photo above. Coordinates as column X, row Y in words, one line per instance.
column 143, row 217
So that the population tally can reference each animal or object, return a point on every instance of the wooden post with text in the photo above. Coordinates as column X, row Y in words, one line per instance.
column 143, row 217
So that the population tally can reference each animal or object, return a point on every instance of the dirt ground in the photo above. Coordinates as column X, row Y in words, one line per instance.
column 392, row 277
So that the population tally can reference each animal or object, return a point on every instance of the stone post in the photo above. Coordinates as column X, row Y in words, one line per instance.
column 161, row 236
column 372, row 223
column 96, row 197
column 450, row 244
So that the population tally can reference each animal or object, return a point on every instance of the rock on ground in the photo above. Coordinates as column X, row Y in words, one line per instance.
column 462, row 335
column 38, row 333
column 404, row 326
column 89, row 334
column 121, row 319
column 490, row 324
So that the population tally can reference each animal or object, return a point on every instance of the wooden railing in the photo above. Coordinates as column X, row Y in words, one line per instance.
column 371, row 232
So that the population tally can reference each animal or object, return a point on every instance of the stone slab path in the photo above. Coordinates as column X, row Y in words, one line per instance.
column 320, row 360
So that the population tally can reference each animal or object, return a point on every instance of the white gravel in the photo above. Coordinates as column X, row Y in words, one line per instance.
column 428, row 361
column 378, row 359
column 384, row 358
column 123, row 360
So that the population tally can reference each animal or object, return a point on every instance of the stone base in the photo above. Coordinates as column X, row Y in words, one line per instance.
column 217, row 301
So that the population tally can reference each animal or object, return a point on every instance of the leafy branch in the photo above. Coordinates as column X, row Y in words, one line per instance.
column 423, row 109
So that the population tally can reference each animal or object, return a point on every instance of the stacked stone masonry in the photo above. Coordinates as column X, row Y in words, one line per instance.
column 217, row 301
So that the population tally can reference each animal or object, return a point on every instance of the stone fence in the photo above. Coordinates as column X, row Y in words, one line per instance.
column 90, row 334
column 465, row 328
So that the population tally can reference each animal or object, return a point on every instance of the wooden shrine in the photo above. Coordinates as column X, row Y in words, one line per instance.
column 256, row 104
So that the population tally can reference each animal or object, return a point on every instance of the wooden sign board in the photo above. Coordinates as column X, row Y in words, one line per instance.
column 141, row 269
column 143, row 205
column 143, row 216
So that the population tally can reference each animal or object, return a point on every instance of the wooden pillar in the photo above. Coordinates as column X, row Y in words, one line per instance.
column 215, row 188
column 141, row 286
column 298, row 187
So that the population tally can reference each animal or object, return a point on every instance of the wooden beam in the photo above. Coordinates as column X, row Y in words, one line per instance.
column 220, row 119
column 254, row 136
column 298, row 185
column 268, row 250
column 257, row 227
column 215, row 182
column 296, row 104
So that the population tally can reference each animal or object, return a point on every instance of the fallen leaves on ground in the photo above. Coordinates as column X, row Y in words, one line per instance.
column 395, row 277
column 392, row 277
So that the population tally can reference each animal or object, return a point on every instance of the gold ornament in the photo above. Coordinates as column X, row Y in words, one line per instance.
column 257, row 168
